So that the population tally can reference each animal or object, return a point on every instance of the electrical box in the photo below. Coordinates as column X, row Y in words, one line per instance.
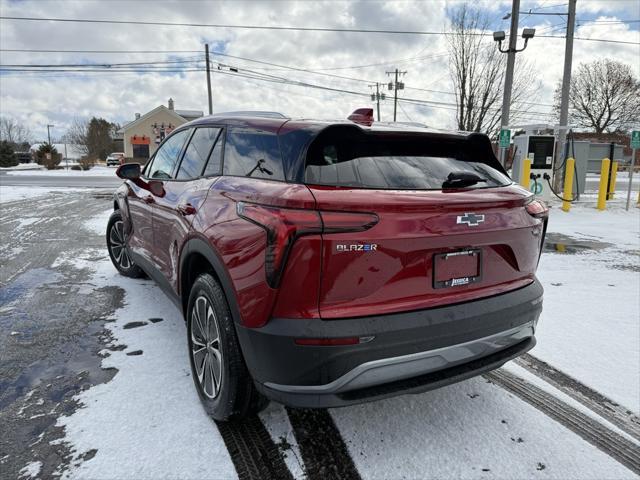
column 539, row 149
column 539, row 185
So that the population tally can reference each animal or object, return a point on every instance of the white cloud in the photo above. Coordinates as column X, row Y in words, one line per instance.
column 58, row 98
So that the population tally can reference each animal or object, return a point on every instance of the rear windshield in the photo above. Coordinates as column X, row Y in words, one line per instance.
column 401, row 163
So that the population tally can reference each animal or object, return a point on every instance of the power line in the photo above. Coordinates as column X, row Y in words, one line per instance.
column 603, row 40
column 220, row 25
column 34, row 50
column 289, row 28
column 389, row 62
column 257, row 76
column 104, row 65
column 605, row 22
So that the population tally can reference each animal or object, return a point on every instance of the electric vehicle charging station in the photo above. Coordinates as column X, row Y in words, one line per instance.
column 539, row 150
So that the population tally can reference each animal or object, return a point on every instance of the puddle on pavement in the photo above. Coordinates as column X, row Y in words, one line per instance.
column 559, row 243
column 72, row 369
column 29, row 280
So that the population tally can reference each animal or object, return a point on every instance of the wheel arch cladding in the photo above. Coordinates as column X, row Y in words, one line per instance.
column 199, row 257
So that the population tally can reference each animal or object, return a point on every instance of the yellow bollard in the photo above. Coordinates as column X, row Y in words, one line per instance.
column 604, row 180
column 568, row 184
column 612, row 180
column 526, row 172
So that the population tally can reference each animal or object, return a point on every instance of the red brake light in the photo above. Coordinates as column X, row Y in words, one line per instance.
column 537, row 209
column 285, row 225
column 336, row 222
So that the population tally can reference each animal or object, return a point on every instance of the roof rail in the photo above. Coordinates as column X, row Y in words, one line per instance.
column 250, row 113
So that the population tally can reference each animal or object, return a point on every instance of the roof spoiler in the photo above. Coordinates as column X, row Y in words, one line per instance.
column 362, row 116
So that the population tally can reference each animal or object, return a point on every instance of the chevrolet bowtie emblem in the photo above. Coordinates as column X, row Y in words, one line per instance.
column 470, row 219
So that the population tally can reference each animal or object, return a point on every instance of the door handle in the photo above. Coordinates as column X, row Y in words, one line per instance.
column 149, row 199
column 186, row 209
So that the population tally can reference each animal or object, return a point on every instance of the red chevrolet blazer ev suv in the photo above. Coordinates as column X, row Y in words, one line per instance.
column 322, row 264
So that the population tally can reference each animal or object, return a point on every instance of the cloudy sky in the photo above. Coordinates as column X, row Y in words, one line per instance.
column 58, row 95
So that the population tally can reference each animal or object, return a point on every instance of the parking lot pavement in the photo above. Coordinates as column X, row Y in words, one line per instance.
column 36, row 179
column 96, row 384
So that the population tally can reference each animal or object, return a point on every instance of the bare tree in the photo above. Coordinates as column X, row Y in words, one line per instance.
column 14, row 132
column 477, row 70
column 77, row 135
column 603, row 96
column 94, row 137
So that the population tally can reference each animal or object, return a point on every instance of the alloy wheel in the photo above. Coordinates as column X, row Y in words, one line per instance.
column 117, row 246
column 205, row 347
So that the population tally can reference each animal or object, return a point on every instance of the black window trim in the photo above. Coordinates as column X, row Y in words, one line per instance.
column 183, row 151
column 149, row 163
column 220, row 138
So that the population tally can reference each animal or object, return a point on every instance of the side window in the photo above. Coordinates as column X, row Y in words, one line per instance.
column 252, row 153
column 167, row 156
column 214, row 165
column 197, row 153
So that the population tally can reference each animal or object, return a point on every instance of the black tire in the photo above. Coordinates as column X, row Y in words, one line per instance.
column 221, row 378
column 116, row 247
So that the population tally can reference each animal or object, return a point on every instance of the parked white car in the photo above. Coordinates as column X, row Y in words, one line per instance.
column 115, row 159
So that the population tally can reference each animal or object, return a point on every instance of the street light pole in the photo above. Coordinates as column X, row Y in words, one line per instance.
column 378, row 98
column 206, row 57
column 49, row 133
column 508, row 77
column 527, row 34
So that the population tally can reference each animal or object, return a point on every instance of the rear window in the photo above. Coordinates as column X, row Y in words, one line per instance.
column 409, row 162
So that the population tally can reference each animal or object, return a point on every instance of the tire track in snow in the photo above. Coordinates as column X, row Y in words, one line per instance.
column 609, row 442
column 323, row 450
column 611, row 411
column 253, row 452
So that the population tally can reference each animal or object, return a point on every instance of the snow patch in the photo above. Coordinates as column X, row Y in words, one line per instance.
column 98, row 224
column 147, row 422
column 97, row 171
column 31, row 470
column 590, row 324
column 13, row 193
column 472, row 429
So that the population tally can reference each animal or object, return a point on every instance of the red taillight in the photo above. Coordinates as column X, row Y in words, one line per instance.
column 336, row 222
column 284, row 225
column 537, row 209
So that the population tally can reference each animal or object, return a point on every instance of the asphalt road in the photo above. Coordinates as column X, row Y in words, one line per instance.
column 59, row 181
column 51, row 322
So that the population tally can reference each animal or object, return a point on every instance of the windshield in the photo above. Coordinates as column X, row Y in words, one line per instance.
column 417, row 163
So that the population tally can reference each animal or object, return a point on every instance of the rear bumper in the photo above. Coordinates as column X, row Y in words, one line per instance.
column 410, row 353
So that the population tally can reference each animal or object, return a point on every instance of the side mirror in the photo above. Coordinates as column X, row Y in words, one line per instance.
column 129, row 171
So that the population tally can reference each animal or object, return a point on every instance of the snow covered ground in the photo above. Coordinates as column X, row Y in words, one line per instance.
column 96, row 171
column 147, row 422
column 15, row 193
column 590, row 325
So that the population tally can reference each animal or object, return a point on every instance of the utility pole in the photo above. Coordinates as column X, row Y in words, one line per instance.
column 377, row 96
column 564, row 100
column 49, row 133
column 508, row 77
column 527, row 34
column 395, row 86
column 206, row 55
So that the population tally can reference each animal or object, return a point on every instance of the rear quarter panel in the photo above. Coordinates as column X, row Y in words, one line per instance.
column 241, row 246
